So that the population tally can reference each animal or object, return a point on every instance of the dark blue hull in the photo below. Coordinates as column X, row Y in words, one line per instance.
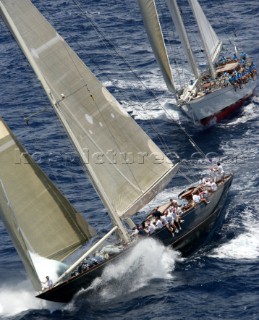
column 199, row 223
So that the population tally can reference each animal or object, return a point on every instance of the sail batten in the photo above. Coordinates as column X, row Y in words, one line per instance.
column 33, row 209
column 120, row 158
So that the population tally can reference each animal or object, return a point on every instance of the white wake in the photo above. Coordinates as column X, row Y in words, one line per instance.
column 244, row 246
column 147, row 261
column 18, row 297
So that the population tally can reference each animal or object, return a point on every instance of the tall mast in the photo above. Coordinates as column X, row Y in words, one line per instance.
column 178, row 21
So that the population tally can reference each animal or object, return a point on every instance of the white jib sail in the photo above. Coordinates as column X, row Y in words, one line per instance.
column 38, row 217
column 211, row 42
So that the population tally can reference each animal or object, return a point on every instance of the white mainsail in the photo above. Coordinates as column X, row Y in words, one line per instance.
column 153, row 28
column 126, row 168
column 38, row 217
column 211, row 43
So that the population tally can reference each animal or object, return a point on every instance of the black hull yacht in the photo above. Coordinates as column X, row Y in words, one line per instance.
column 200, row 220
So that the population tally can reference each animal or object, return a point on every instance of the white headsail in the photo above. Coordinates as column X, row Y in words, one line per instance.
column 154, row 32
column 38, row 217
column 126, row 168
column 211, row 43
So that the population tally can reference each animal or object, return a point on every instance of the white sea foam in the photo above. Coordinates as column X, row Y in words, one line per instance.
column 148, row 260
column 154, row 108
column 47, row 267
column 19, row 297
column 245, row 245
column 249, row 113
column 256, row 98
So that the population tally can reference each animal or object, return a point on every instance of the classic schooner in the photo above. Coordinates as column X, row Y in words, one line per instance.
column 210, row 95
column 40, row 220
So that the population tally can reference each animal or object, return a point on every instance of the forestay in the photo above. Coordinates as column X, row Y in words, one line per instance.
column 38, row 217
column 126, row 167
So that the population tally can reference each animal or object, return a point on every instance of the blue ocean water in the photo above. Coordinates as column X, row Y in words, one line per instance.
column 220, row 281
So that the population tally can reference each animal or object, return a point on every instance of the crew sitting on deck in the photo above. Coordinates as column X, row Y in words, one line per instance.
column 210, row 185
column 245, row 70
column 173, row 203
column 203, row 193
column 222, row 60
column 156, row 213
column 202, row 180
column 167, row 220
column 174, row 218
column 170, row 225
column 197, row 199
column 252, row 70
column 150, row 228
column 158, row 224
column 170, row 218
column 177, row 218
column 138, row 230
column 89, row 262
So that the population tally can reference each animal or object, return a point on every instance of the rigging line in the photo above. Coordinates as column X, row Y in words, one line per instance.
column 129, row 167
column 161, row 138
column 136, row 182
column 182, row 73
column 35, row 138
column 110, row 131
column 130, row 68
column 119, row 55
column 185, row 176
column 34, row 114
column 221, row 8
column 72, row 116
column 139, row 79
column 103, row 37
column 104, row 120
column 62, row 133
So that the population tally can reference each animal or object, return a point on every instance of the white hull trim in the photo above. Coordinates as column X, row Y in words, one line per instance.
column 215, row 103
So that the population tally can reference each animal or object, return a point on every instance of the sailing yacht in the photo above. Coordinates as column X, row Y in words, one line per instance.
column 41, row 222
column 210, row 95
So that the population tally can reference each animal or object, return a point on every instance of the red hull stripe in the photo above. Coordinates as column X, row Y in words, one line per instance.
column 225, row 112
